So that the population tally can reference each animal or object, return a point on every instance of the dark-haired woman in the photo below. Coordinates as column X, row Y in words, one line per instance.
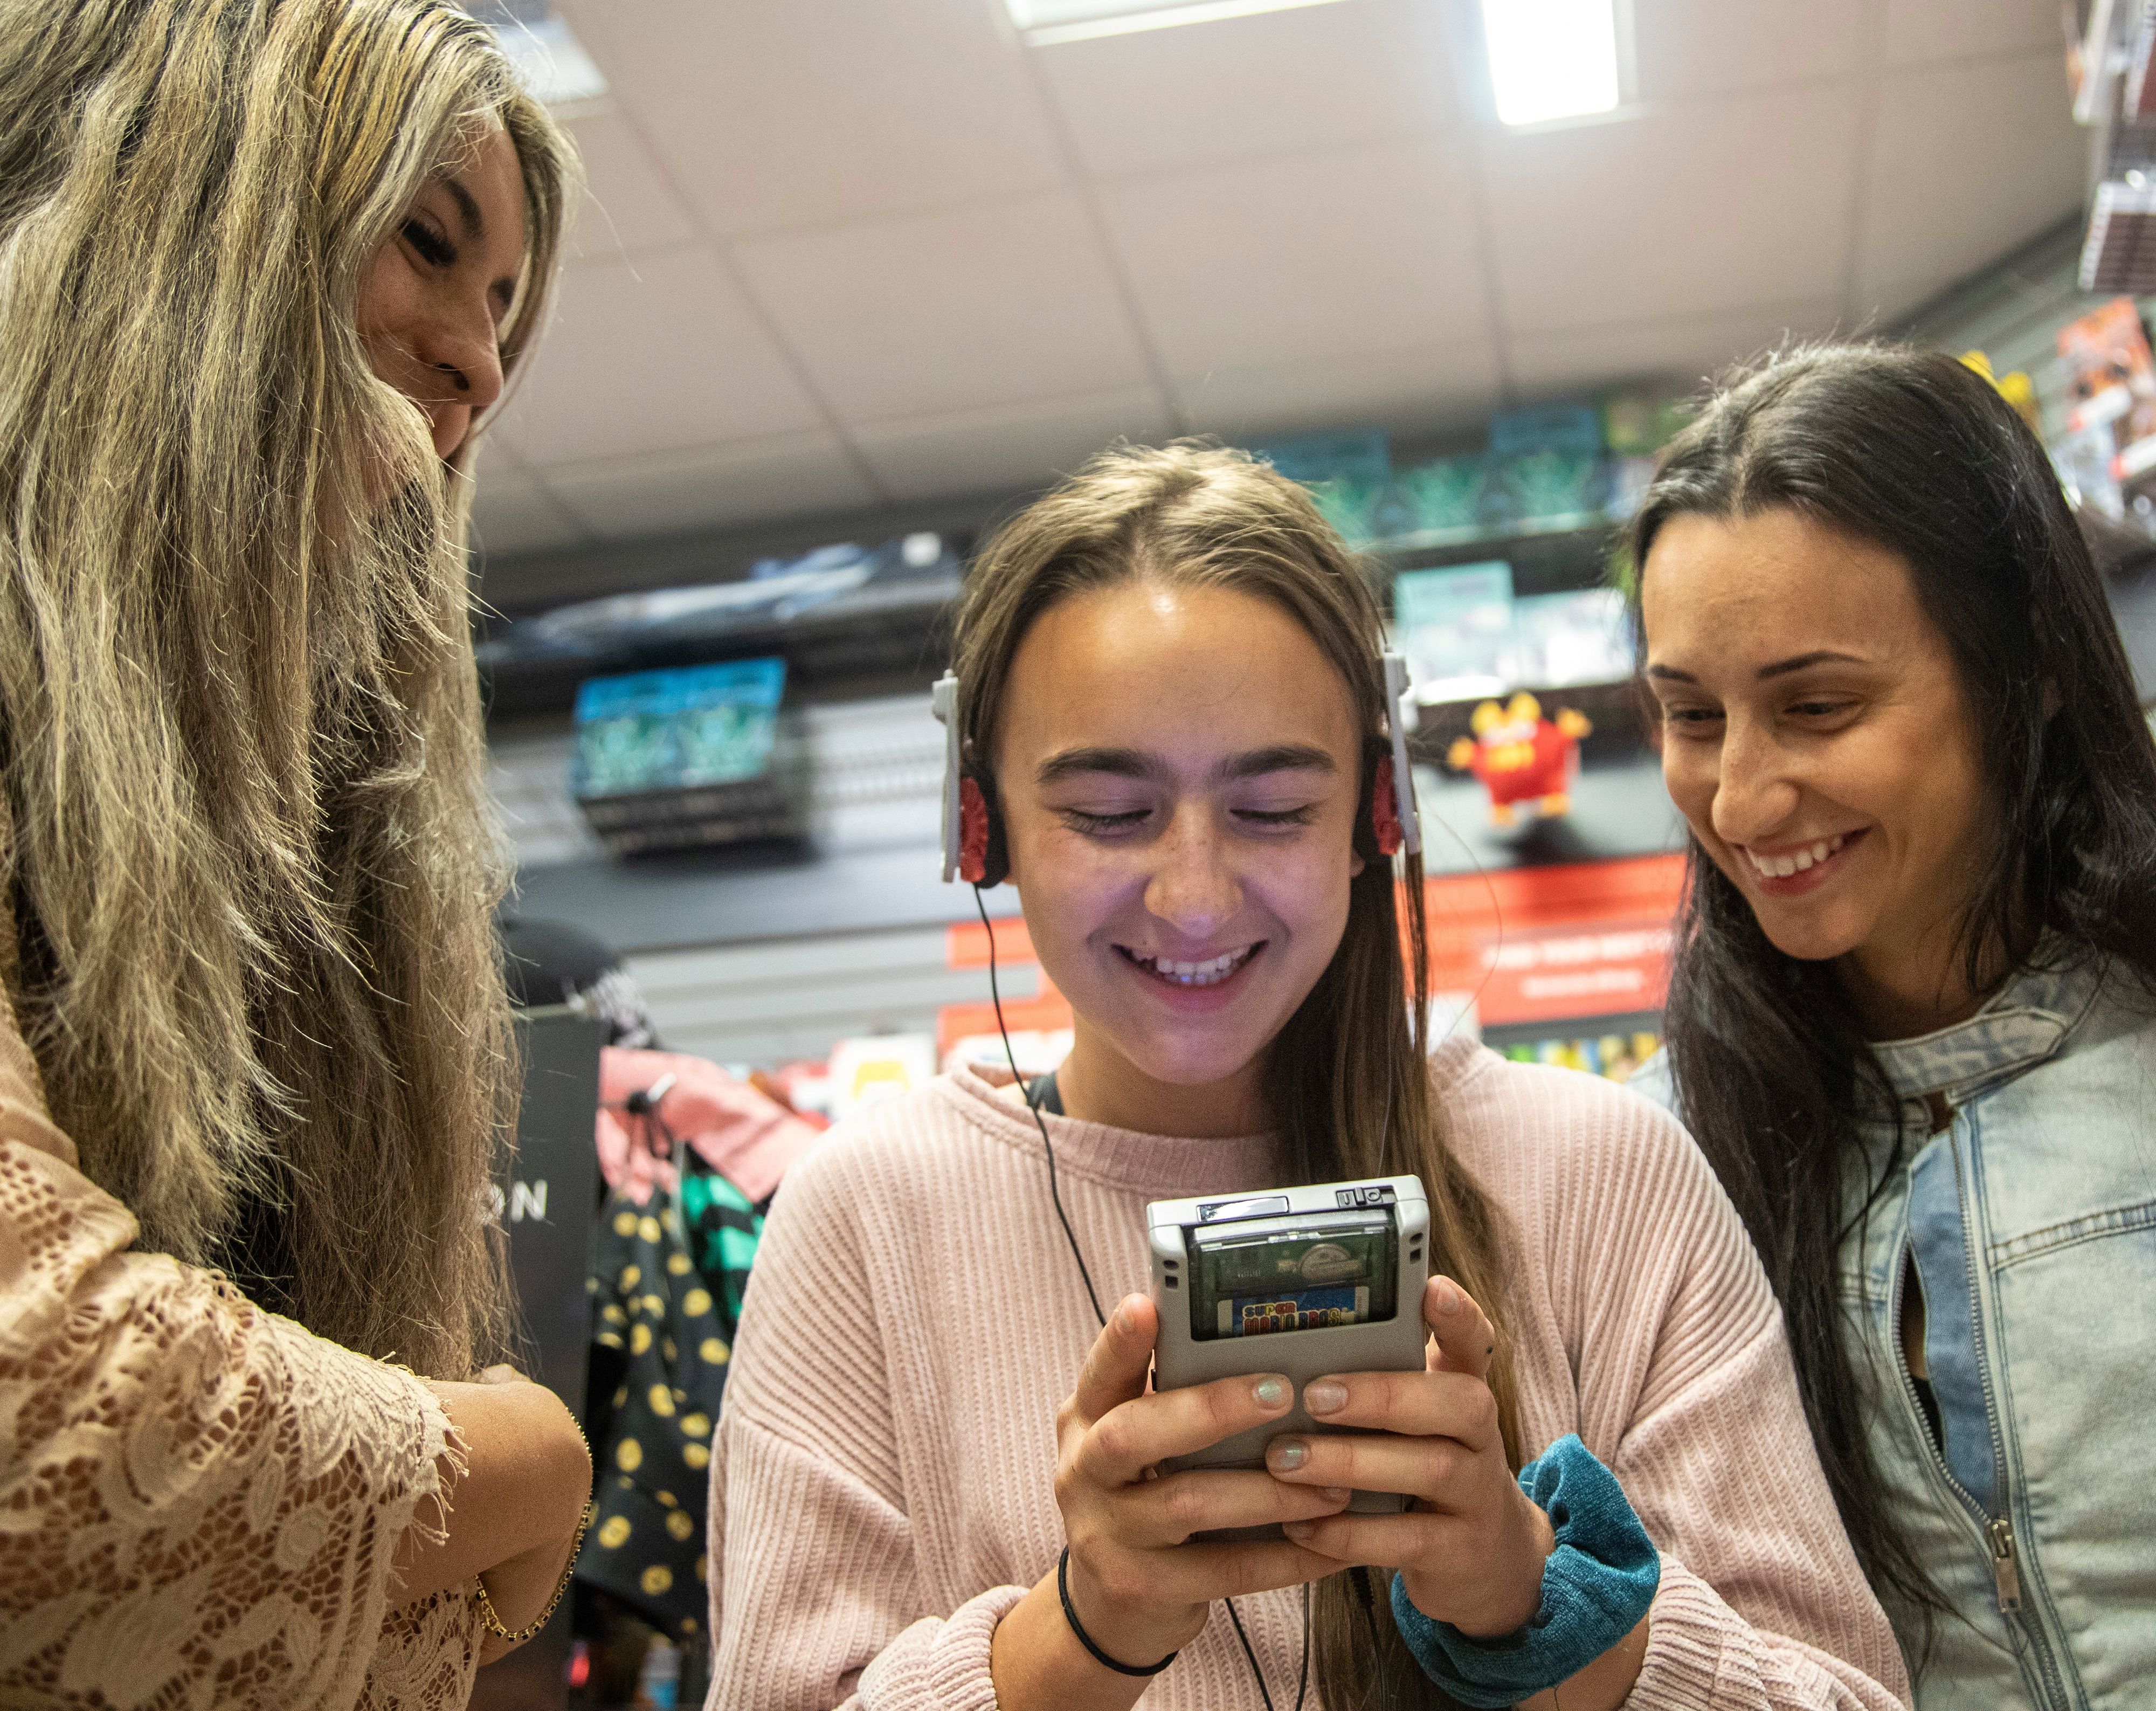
column 1911, row 1021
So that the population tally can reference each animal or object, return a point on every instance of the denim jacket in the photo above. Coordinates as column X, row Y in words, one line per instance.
column 2026, row 1199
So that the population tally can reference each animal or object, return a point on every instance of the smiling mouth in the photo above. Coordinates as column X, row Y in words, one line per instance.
column 1209, row 973
column 1789, row 862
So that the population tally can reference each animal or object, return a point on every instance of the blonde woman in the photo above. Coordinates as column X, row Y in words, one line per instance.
column 263, row 264
column 931, row 1483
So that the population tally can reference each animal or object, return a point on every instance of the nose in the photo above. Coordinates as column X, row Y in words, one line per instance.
column 1755, row 791
column 458, row 344
column 1192, row 887
column 471, row 361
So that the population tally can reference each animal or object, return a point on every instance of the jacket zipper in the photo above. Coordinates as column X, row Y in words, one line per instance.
column 1978, row 1513
column 1997, row 1532
column 2007, row 1578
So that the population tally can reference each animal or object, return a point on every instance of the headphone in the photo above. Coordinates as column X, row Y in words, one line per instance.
column 975, row 850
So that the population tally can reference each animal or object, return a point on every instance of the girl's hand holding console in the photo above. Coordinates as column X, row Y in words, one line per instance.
column 1473, row 1543
column 1471, row 1549
column 1137, row 1583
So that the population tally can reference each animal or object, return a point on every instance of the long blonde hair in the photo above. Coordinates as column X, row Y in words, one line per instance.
column 249, row 857
column 1347, row 1081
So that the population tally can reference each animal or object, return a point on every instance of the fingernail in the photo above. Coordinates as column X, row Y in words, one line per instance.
column 1271, row 1392
column 1287, row 1455
column 1325, row 1397
column 1123, row 1316
column 1338, row 1493
column 1298, row 1530
column 1448, row 1297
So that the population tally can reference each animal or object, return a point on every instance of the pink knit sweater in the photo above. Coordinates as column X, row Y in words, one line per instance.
column 881, row 1475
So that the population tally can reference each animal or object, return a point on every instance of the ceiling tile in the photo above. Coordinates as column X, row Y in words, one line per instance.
column 1920, row 30
column 628, row 205
column 1687, row 349
column 1021, row 446
column 989, row 304
column 818, row 110
column 1349, row 251
column 1693, row 47
column 652, row 355
column 1408, row 388
column 512, row 511
column 1674, row 210
column 749, row 481
column 1159, row 99
column 1967, row 162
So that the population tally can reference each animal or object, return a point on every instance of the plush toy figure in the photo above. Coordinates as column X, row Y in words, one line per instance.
column 1521, row 757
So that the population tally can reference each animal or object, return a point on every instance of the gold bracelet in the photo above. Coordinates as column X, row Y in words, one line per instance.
column 517, row 1636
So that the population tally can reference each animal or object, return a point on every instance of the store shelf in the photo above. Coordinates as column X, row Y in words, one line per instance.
column 1589, row 525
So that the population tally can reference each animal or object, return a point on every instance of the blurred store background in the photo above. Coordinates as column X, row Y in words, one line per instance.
column 854, row 281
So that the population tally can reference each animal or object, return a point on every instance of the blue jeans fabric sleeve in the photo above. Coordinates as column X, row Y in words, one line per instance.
column 1596, row 1585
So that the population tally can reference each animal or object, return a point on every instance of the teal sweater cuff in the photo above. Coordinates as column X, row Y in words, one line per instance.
column 1597, row 1585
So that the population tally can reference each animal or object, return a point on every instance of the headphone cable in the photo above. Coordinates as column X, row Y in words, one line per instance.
column 1025, row 1093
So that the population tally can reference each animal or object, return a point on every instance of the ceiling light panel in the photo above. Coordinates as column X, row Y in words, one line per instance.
column 1552, row 59
column 1043, row 22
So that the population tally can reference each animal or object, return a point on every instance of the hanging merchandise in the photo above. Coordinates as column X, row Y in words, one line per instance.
column 2015, row 387
column 1639, row 424
column 1524, row 760
column 2110, row 68
column 653, row 1105
column 671, row 1327
column 659, row 1678
column 692, row 1156
column 1456, row 627
column 721, row 1226
column 879, row 1066
column 2111, row 425
column 1446, row 495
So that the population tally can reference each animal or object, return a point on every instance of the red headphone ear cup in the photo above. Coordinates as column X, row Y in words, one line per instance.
column 973, row 832
column 1385, row 808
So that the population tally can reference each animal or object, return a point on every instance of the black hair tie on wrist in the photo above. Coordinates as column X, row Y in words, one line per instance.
column 1085, row 1639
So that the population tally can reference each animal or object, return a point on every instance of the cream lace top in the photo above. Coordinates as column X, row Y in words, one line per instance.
column 199, row 1500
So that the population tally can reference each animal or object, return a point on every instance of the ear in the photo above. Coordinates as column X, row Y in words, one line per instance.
column 2050, row 699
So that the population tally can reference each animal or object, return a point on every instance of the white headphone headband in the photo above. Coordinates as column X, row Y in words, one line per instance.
column 1396, row 715
column 944, row 700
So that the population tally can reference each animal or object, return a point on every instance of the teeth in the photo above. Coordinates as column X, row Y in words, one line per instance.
column 1206, row 973
column 1796, row 861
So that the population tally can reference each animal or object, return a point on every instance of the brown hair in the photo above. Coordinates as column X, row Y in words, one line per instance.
column 1347, row 1079
column 246, row 850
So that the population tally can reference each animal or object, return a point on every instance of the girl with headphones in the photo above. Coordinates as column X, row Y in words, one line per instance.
column 934, row 1483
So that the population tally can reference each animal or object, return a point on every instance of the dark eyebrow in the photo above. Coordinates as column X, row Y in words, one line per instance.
column 1817, row 656
column 1117, row 763
column 1780, row 668
column 1134, row 763
column 467, row 205
column 1280, row 757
